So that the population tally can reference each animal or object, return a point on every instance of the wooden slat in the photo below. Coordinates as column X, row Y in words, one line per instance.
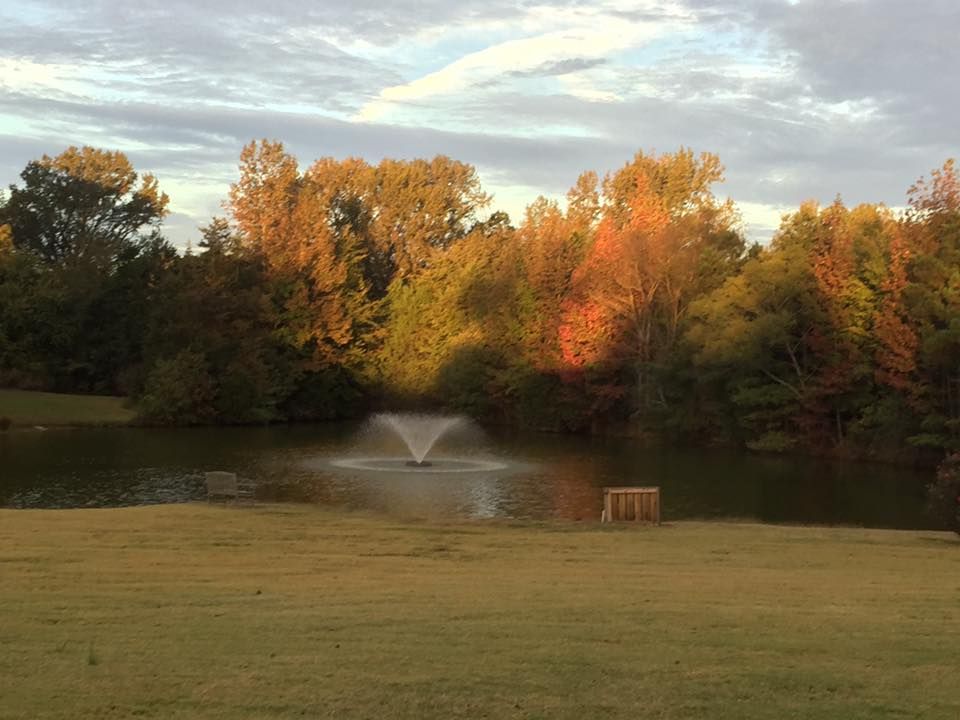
column 637, row 504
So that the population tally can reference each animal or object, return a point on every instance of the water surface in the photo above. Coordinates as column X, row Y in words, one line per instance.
column 547, row 476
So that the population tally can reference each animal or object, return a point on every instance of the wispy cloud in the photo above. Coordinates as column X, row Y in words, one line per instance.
column 570, row 50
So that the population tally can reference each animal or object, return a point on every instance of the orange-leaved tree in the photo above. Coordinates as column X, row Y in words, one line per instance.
column 663, row 239
column 287, row 217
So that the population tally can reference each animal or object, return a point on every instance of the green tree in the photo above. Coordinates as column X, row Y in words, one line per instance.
column 83, row 206
column 449, row 332
column 752, row 335
column 84, row 249
column 795, row 339
column 213, row 318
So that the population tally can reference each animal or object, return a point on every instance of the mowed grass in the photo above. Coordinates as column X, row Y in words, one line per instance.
column 39, row 408
column 200, row 611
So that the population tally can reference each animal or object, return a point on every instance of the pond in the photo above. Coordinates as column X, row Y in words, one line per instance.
column 530, row 476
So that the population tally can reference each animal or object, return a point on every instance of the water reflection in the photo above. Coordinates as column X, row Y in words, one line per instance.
column 547, row 476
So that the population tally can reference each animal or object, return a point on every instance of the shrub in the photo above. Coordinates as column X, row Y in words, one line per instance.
column 179, row 391
column 245, row 391
column 943, row 494
column 324, row 395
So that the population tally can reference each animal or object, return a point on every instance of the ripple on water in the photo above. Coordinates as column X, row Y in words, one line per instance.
column 438, row 466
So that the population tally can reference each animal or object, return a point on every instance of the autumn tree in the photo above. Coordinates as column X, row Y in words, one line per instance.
column 287, row 217
column 662, row 239
column 849, row 257
column 264, row 197
column 897, row 343
column 348, row 281
column 552, row 245
column 932, row 301
column 397, row 215
column 797, row 334
column 417, row 209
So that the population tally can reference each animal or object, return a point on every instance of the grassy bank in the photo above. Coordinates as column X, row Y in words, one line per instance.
column 26, row 408
column 275, row 612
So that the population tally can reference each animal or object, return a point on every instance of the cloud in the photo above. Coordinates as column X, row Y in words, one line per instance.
column 196, row 148
column 560, row 67
column 19, row 74
column 580, row 46
column 800, row 99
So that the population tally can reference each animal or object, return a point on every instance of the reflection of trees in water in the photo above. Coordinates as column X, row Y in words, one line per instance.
column 408, row 493
column 574, row 492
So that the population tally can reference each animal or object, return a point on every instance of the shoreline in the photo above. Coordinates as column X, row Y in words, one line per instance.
column 549, row 524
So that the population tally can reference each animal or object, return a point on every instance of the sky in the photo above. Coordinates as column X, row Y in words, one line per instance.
column 801, row 99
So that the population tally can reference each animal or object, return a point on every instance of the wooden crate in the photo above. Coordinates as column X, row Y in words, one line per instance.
column 635, row 504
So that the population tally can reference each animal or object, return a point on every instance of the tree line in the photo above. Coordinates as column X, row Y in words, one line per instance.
column 635, row 306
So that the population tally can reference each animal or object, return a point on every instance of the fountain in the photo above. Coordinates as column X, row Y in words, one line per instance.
column 419, row 433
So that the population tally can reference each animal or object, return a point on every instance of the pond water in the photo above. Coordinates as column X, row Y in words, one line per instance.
column 531, row 476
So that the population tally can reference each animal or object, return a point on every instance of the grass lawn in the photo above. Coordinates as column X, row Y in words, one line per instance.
column 290, row 611
column 40, row 408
